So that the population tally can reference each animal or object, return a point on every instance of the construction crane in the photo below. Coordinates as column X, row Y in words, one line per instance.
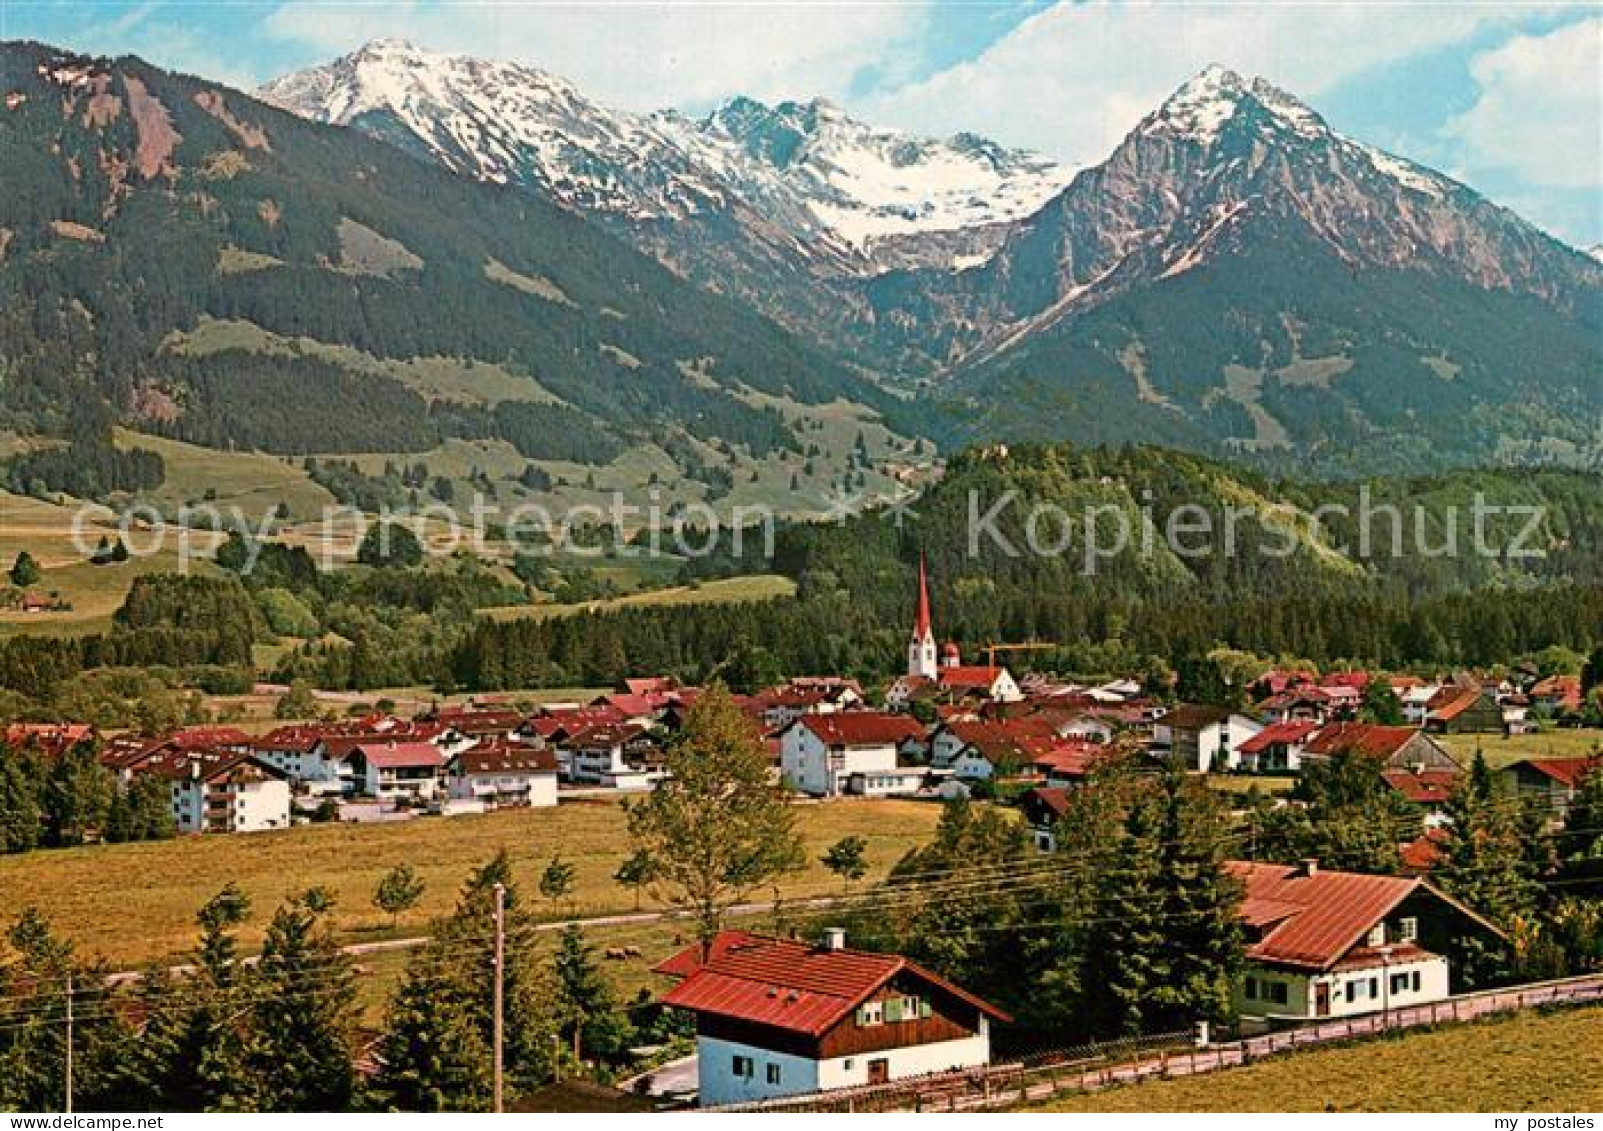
column 991, row 650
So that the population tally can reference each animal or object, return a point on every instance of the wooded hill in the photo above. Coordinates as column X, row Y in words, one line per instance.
column 140, row 202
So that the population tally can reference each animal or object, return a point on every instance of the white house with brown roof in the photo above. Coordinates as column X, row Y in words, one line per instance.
column 1340, row 944
column 850, row 751
column 503, row 774
column 782, row 1017
column 221, row 791
column 1203, row 738
column 613, row 755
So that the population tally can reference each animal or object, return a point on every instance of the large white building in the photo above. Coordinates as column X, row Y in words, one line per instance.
column 782, row 1017
column 222, row 791
column 849, row 751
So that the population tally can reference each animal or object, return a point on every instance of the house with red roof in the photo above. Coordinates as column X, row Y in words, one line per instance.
column 501, row 773
column 981, row 748
column 397, row 770
column 783, row 1017
column 1043, row 807
column 50, row 739
column 1557, row 694
column 1456, row 709
column 1390, row 747
column 1552, row 781
column 849, row 752
column 1339, row 944
column 1278, row 748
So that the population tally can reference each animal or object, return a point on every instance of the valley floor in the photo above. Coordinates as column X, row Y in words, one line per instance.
column 136, row 903
column 1529, row 1062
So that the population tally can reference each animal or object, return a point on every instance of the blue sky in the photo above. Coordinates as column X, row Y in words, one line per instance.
column 1506, row 97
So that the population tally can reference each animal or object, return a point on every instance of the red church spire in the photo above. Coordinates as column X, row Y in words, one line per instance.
column 923, row 626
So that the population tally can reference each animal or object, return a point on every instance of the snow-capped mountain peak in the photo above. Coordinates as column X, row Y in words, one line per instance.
column 817, row 173
column 1201, row 107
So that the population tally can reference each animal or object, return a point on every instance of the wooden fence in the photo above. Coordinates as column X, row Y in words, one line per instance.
column 1094, row 1067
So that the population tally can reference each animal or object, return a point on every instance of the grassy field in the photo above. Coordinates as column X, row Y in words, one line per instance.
column 1499, row 751
column 756, row 587
column 47, row 531
column 1525, row 1062
column 136, row 903
column 251, row 481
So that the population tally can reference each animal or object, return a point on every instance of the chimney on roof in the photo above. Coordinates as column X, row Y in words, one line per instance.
column 834, row 938
column 1308, row 866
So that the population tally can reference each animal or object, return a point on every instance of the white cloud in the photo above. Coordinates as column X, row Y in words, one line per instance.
column 640, row 56
column 1075, row 78
column 1539, row 111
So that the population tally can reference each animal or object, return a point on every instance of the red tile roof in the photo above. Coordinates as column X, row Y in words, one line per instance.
column 1278, row 734
column 861, row 728
column 1313, row 921
column 51, row 738
column 1424, row 852
column 1564, row 690
column 1368, row 740
column 788, row 984
column 1565, row 771
column 502, row 757
column 1450, row 702
column 192, row 738
column 1427, row 787
column 396, row 755
column 604, row 735
column 1068, row 758
column 981, row 676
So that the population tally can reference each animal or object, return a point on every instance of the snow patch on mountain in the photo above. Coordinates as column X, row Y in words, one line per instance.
column 808, row 169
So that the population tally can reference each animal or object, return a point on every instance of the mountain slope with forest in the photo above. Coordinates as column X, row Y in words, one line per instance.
column 143, row 204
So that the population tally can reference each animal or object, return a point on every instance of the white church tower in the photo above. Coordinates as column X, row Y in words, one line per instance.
column 921, row 659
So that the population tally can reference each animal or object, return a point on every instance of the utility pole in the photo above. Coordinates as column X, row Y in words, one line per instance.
column 500, row 986
column 69, row 1045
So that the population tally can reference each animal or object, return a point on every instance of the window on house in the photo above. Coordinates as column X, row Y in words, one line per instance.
column 1414, row 982
column 1399, row 983
column 871, row 1014
column 1357, row 990
column 1374, row 987
column 1407, row 929
column 1252, row 988
column 744, row 1067
column 773, row 1074
column 1377, row 935
column 1277, row 992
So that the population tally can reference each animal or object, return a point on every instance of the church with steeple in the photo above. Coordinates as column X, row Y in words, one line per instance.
column 938, row 673
column 921, row 645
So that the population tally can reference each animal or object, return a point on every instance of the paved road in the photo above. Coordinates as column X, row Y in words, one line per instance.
column 676, row 1078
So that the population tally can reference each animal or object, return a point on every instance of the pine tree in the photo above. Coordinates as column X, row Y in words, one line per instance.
column 24, row 570
column 304, row 1017
column 437, row 1039
column 592, row 1024
column 35, row 966
column 1125, row 952
column 1487, row 866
